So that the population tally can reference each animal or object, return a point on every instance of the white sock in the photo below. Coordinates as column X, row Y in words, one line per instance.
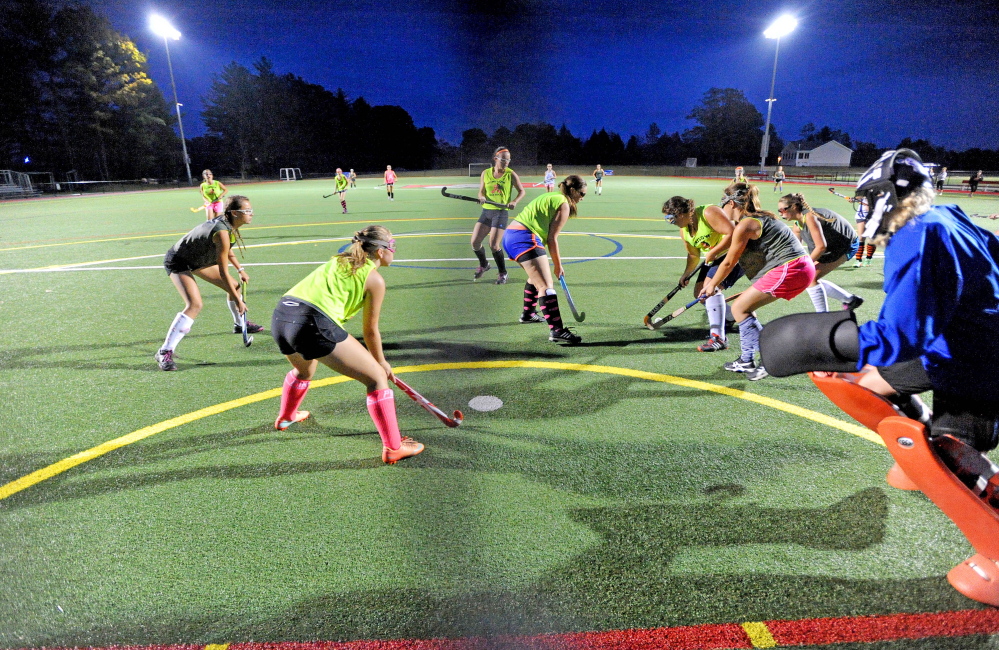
column 549, row 292
column 180, row 326
column 818, row 296
column 836, row 291
column 233, row 310
column 715, row 306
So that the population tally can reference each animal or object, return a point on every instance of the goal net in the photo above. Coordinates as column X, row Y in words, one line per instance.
column 475, row 169
column 290, row 173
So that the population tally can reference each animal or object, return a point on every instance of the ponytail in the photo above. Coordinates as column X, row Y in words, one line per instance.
column 363, row 246
column 572, row 189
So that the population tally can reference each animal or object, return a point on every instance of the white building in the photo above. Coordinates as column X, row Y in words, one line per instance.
column 830, row 154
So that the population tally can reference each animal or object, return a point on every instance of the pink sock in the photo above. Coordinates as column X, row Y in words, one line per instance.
column 381, row 406
column 292, row 394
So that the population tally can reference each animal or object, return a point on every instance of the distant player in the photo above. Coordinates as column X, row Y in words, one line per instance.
column 549, row 179
column 212, row 192
column 536, row 227
column 707, row 230
column 860, row 217
column 340, row 188
column 308, row 328
column 598, row 179
column 973, row 182
column 779, row 179
column 496, row 184
column 940, row 178
column 830, row 240
column 206, row 253
column 390, row 182
column 740, row 176
column 352, row 177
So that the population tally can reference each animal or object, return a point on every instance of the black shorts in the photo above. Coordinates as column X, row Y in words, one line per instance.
column 299, row 327
column 174, row 264
column 831, row 255
column 709, row 272
column 495, row 218
column 907, row 377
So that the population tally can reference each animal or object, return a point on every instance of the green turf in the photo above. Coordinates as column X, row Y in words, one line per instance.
column 588, row 502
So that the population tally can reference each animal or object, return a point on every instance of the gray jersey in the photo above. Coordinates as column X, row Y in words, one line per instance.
column 837, row 230
column 776, row 245
column 197, row 248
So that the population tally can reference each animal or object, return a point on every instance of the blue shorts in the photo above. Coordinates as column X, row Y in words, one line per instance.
column 522, row 245
column 709, row 272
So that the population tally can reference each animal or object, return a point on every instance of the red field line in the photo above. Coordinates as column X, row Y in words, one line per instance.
column 727, row 636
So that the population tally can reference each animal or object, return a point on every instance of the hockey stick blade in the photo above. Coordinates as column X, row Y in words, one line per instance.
column 455, row 420
column 462, row 197
column 662, row 303
column 247, row 337
column 659, row 322
column 580, row 316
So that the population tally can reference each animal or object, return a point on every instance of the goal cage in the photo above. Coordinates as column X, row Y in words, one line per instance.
column 290, row 173
column 475, row 169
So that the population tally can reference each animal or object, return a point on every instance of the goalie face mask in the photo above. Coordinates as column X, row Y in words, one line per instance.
column 889, row 180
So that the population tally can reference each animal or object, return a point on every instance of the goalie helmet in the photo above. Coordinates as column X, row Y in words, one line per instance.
column 889, row 180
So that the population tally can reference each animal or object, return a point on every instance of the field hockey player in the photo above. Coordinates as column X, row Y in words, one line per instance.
column 340, row 188
column 307, row 326
column 212, row 192
column 496, row 184
column 537, row 226
column 390, row 179
column 206, row 253
column 705, row 229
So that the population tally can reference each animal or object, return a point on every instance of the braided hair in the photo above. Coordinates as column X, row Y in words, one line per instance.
column 234, row 203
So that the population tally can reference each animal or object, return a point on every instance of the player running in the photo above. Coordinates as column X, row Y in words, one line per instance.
column 352, row 177
column 830, row 240
column 307, row 326
column 496, row 184
column 206, row 253
column 549, row 179
column 537, row 226
column 212, row 192
column 390, row 182
column 779, row 177
column 705, row 229
column 598, row 179
column 340, row 188
column 771, row 256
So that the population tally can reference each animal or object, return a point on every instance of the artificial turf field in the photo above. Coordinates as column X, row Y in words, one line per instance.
column 628, row 483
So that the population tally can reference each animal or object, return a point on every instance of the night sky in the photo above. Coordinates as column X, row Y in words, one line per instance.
column 877, row 69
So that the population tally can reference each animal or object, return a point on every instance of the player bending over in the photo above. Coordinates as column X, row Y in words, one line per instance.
column 206, row 253
column 537, row 226
column 307, row 326
column 496, row 184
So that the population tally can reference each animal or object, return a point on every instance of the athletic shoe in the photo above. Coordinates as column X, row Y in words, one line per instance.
column 564, row 334
column 713, row 344
column 853, row 303
column 868, row 261
column 533, row 317
column 251, row 328
column 281, row 425
column 857, row 264
column 408, row 448
column 501, row 278
column 479, row 272
column 740, row 366
column 757, row 373
column 165, row 359
column 345, row 210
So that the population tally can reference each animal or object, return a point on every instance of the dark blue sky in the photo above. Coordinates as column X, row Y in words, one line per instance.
column 880, row 70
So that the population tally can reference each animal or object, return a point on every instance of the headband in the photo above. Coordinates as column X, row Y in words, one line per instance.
column 499, row 151
column 380, row 243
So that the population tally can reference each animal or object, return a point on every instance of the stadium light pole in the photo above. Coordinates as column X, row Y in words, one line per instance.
column 162, row 28
column 780, row 27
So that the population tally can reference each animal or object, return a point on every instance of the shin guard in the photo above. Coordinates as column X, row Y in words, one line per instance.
column 923, row 459
column 292, row 394
column 381, row 407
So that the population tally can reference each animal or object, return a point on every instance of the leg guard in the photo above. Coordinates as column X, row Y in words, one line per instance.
column 800, row 343
column 926, row 462
column 867, row 408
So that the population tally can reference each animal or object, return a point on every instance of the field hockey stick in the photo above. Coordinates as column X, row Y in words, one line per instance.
column 452, row 421
column 669, row 296
column 444, row 192
column 851, row 199
column 247, row 337
column 580, row 316
column 659, row 322
column 200, row 207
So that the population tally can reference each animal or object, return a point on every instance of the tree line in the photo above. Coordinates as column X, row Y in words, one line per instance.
column 77, row 96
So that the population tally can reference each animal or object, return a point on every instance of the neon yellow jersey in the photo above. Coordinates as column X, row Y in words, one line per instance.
column 705, row 237
column 498, row 189
column 341, row 184
column 212, row 190
column 334, row 290
column 538, row 214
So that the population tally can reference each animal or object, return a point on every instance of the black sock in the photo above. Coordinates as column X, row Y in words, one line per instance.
column 530, row 298
column 481, row 254
column 500, row 261
column 549, row 307
column 343, row 203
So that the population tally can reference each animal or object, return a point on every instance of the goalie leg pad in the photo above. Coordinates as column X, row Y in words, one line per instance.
column 800, row 343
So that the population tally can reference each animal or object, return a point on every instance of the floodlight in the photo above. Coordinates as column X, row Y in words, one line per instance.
column 781, row 27
column 162, row 28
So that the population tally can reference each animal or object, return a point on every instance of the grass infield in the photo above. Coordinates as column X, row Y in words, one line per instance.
column 591, row 501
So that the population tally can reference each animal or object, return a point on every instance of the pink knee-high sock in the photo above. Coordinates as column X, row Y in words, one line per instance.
column 292, row 394
column 381, row 407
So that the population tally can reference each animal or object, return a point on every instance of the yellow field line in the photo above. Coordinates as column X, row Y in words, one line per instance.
column 77, row 459
column 759, row 635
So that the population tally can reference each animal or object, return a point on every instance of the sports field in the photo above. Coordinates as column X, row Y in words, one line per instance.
column 626, row 484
